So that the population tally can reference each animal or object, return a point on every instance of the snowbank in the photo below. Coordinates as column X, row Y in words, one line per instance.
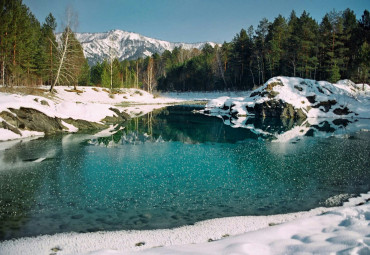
column 90, row 104
column 296, row 97
column 342, row 230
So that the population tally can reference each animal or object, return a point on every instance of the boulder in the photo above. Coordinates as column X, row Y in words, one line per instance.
column 34, row 120
column 276, row 108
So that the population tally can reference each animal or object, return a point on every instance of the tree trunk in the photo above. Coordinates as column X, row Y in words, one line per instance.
column 51, row 63
column 220, row 68
column 61, row 63
column 137, row 75
column 250, row 69
column 3, row 71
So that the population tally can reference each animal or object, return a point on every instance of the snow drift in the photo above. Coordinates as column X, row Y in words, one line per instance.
column 298, row 98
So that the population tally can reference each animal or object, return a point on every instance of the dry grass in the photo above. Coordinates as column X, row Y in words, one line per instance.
column 74, row 90
column 35, row 91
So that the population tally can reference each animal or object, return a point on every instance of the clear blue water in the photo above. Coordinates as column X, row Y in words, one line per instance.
column 172, row 168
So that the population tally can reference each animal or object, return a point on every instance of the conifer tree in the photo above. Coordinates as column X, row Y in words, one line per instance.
column 49, row 46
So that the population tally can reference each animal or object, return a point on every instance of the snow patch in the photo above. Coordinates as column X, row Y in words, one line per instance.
column 317, row 99
column 322, row 230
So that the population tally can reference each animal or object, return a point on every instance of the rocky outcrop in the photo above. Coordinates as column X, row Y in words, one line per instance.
column 34, row 120
column 276, row 108
column 297, row 98
column 31, row 119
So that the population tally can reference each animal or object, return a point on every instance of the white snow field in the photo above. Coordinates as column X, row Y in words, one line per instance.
column 127, row 45
column 88, row 103
column 92, row 104
column 317, row 99
column 339, row 230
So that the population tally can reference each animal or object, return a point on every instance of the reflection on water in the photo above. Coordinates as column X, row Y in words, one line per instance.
column 172, row 167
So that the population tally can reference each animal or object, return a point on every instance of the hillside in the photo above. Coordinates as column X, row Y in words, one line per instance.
column 298, row 98
column 126, row 45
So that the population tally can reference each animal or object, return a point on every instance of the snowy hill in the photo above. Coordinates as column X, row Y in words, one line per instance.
column 127, row 45
column 298, row 98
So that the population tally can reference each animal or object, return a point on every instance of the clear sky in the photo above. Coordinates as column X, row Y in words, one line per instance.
column 184, row 20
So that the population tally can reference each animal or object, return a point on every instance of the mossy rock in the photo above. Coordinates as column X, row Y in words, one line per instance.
column 43, row 102
column 84, row 124
column 273, row 94
column 271, row 85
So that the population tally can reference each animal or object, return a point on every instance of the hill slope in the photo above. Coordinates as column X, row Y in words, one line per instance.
column 126, row 45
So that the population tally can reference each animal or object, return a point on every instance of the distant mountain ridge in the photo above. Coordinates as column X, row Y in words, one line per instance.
column 126, row 45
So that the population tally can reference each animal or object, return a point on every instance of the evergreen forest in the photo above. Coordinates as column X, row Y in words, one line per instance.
column 336, row 47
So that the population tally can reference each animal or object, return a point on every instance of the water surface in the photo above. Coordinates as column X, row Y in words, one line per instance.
column 172, row 168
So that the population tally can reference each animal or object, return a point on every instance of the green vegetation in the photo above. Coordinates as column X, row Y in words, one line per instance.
column 336, row 48
column 29, row 52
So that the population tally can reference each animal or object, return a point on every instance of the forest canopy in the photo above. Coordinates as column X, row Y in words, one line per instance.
column 337, row 47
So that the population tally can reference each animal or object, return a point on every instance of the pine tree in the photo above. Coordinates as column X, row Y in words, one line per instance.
column 291, row 46
column 105, row 75
column 49, row 46
column 364, row 63
column 276, row 38
column 334, row 73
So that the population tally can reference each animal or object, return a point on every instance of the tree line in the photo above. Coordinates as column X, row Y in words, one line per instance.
column 30, row 53
column 336, row 48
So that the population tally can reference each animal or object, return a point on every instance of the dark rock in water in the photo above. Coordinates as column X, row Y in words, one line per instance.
column 121, row 117
column 30, row 159
column 77, row 216
column 326, row 104
column 342, row 111
column 84, row 124
column 324, row 126
column 275, row 109
column 341, row 122
column 225, row 107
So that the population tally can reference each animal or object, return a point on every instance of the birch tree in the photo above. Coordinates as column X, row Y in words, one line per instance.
column 69, row 54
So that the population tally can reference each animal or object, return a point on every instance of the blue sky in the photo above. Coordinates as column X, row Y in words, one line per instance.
column 184, row 20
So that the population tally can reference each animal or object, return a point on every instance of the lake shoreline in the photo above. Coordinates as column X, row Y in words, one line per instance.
column 205, row 234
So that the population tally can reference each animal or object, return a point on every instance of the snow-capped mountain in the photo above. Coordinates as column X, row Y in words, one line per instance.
column 126, row 45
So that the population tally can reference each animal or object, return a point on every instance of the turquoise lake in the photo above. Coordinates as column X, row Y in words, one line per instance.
column 172, row 168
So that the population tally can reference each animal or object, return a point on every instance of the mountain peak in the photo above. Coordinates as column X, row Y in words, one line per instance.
column 127, row 45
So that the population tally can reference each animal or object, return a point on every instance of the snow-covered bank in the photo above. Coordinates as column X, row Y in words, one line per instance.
column 89, row 104
column 344, row 230
column 298, row 98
